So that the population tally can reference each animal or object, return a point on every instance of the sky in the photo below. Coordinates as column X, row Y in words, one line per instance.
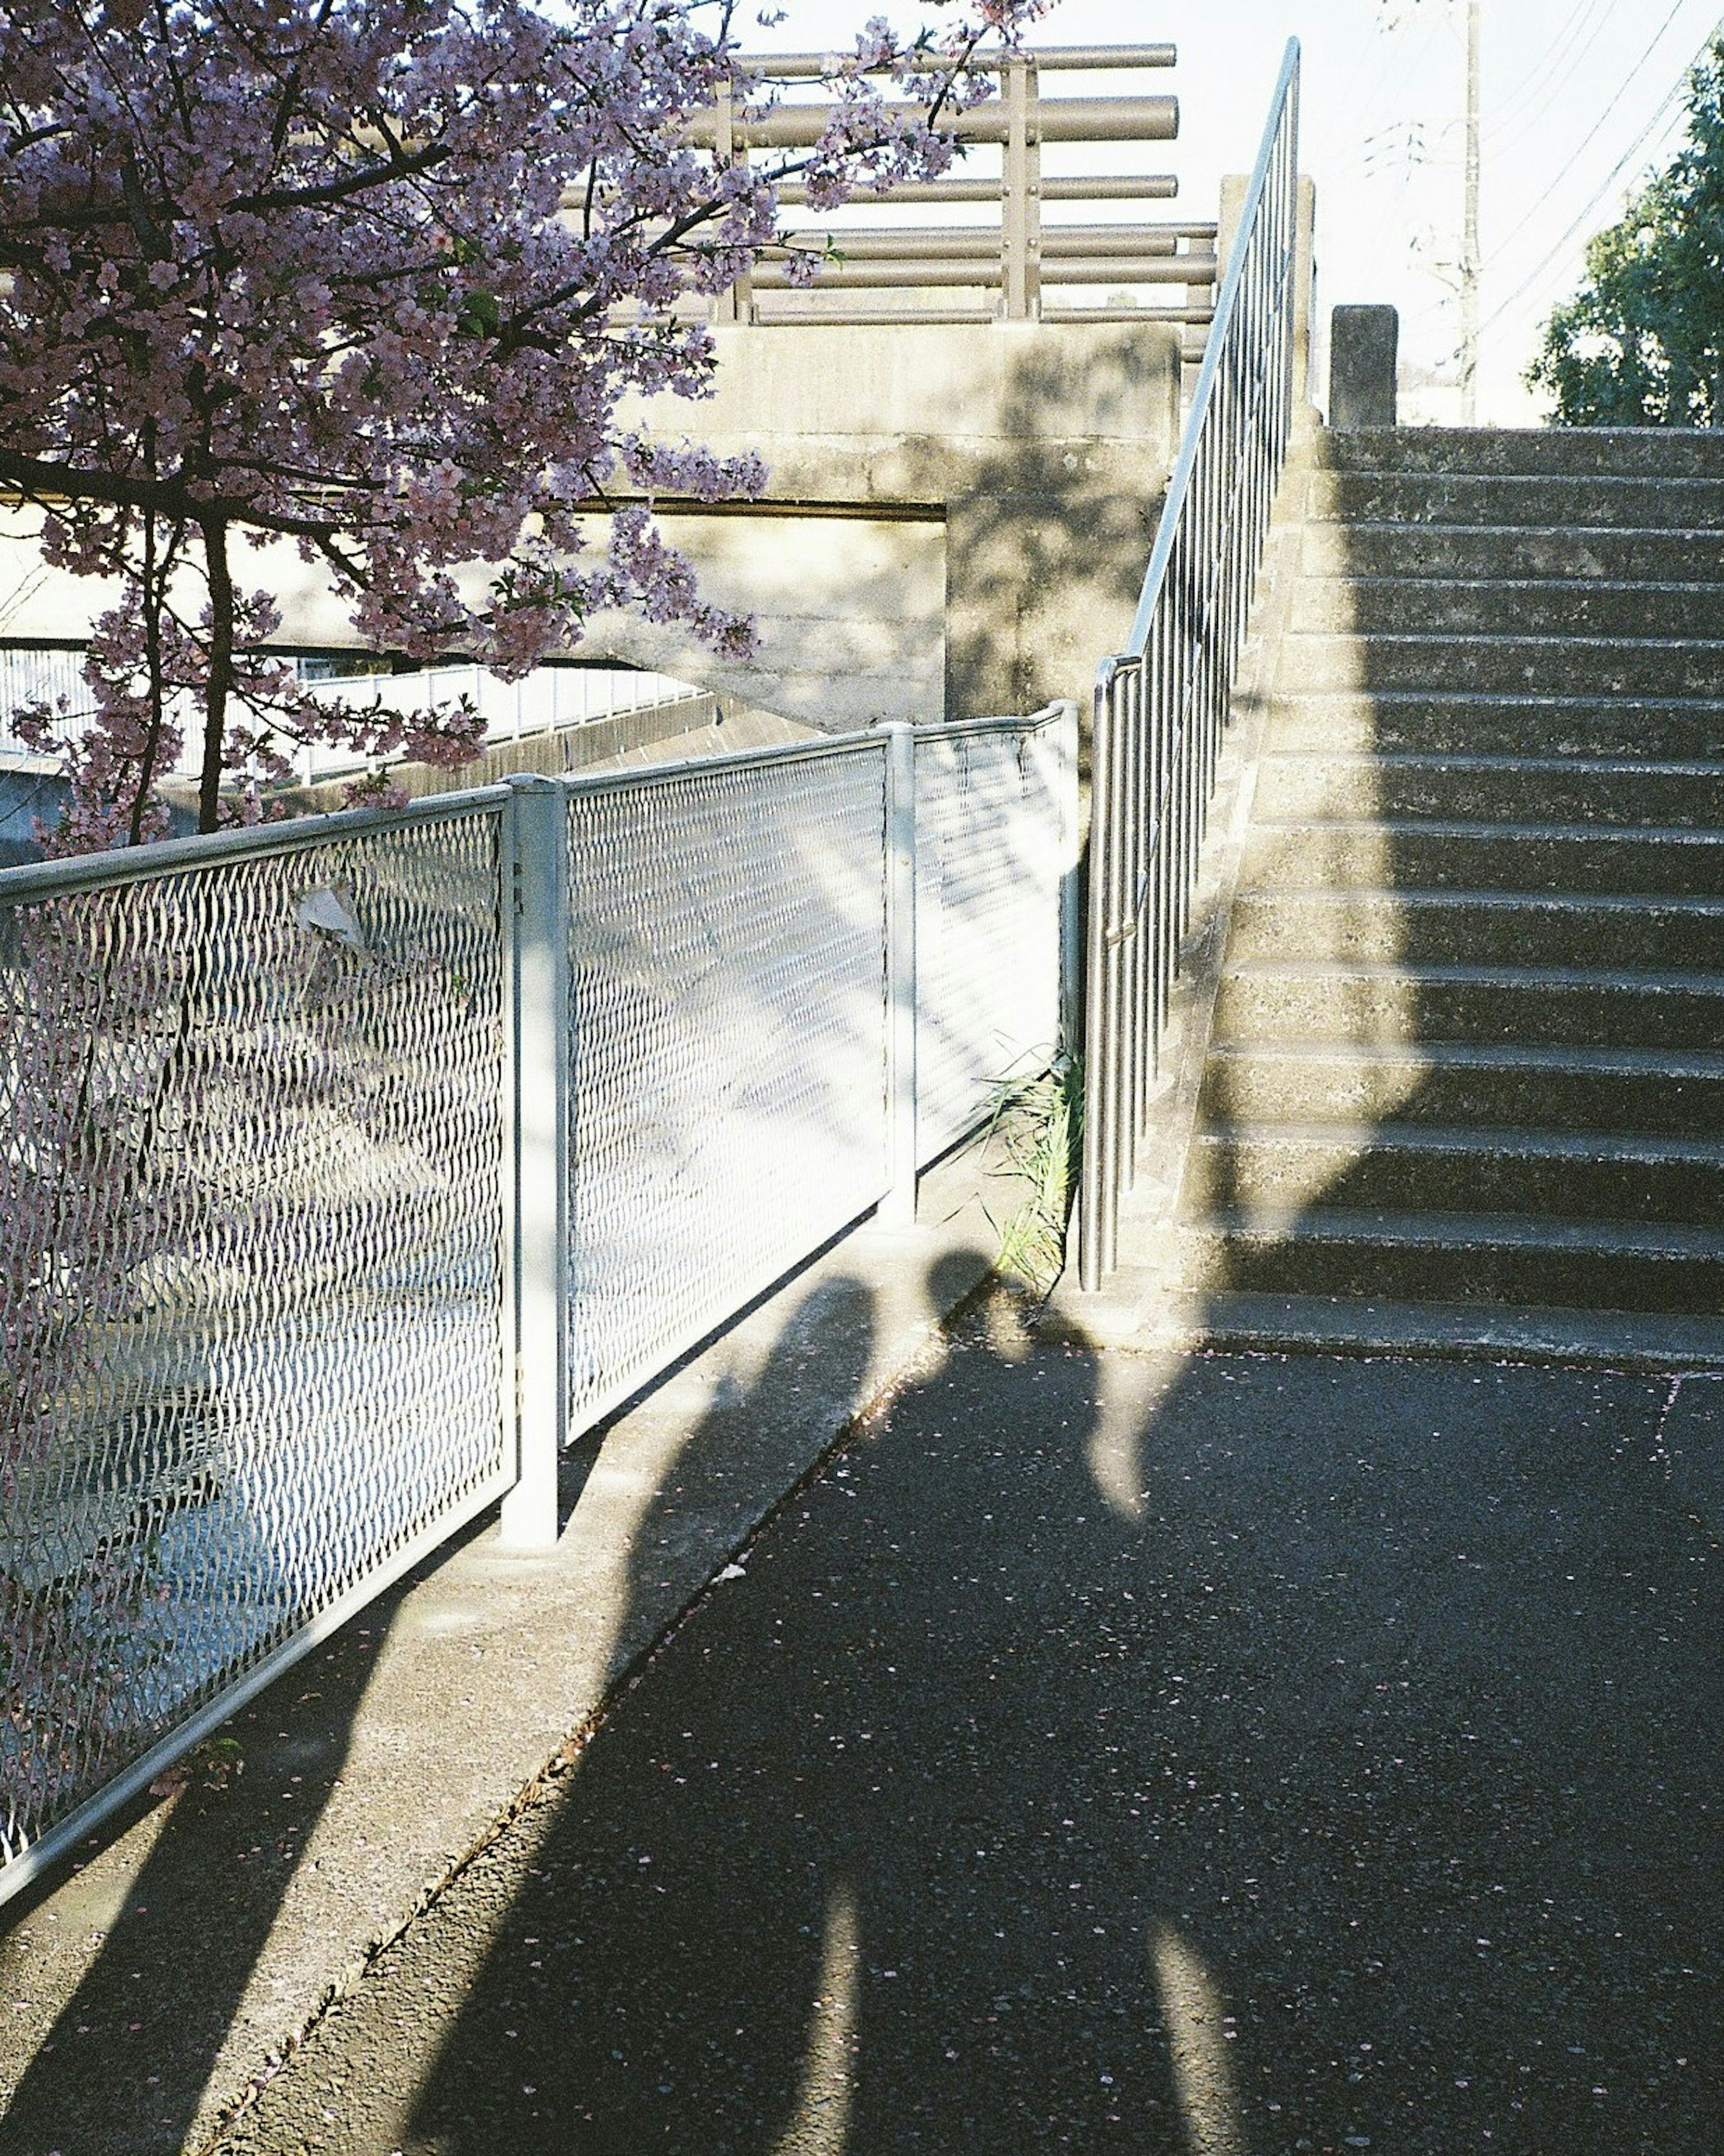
column 1580, row 100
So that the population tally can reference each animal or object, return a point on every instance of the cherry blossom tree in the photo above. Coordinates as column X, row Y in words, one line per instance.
column 380, row 279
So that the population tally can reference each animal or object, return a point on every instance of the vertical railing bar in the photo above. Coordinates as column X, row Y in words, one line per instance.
column 1099, row 1196
column 1143, row 947
column 1131, row 760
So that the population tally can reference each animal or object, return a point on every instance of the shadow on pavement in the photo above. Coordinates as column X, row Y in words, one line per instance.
column 1227, row 1758
column 129, row 2055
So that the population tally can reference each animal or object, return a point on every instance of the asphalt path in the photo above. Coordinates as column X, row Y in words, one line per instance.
column 1225, row 1756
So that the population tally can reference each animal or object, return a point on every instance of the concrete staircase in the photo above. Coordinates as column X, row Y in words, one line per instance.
column 1466, row 1075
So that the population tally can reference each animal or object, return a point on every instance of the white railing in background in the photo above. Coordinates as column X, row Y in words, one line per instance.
column 1161, row 705
column 549, row 698
column 355, row 1165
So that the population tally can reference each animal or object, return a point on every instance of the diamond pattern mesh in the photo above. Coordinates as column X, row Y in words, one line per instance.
column 250, row 1293
column 987, row 922
column 729, row 1058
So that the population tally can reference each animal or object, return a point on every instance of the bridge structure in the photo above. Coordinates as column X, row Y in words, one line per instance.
column 968, row 420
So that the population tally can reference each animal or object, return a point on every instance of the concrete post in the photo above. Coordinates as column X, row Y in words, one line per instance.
column 1362, row 366
column 1234, row 186
column 1304, row 281
column 536, row 871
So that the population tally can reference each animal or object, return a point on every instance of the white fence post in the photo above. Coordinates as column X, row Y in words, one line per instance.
column 1067, row 794
column 536, row 888
column 897, row 1209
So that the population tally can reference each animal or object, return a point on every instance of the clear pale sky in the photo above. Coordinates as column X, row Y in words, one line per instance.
column 1580, row 98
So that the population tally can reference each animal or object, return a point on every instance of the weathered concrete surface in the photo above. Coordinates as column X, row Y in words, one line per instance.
column 144, row 1992
column 1363, row 343
column 1044, row 448
column 1244, row 1754
column 850, row 610
column 850, row 614
column 957, row 520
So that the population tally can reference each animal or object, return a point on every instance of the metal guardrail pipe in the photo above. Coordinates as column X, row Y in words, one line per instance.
column 792, row 67
column 959, row 243
column 1161, row 704
column 1020, row 122
column 985, row 269
column 778, row 310
column 1059, row 120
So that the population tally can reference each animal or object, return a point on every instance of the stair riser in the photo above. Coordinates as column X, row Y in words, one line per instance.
column 1654, row 452
column 1500, row 666
column 1346, row 723
column 1542, row 503
column 1475, row 550
column 1328, row 1006
column 1294, row 1089
column 1397, row 606
column 1246, row 1174
column 1574, row 1281
column 1292, row 789
column 1359, row 856
column 1382, row 930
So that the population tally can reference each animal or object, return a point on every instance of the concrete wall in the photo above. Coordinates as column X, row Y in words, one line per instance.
column 958, row 520
column 1041, row 449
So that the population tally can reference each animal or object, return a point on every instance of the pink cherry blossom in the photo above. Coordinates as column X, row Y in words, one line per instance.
column 381, row 278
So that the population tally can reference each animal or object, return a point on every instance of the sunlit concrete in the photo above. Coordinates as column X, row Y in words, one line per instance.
column 955, row 523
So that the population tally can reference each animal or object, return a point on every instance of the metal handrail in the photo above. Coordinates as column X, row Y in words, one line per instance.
column 1161, row 704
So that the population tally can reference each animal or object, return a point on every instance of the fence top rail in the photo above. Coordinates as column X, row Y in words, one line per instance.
column 167, row 857
column 34, row 879
column 872, row 739
column 1226, row 300
column 1050, row 715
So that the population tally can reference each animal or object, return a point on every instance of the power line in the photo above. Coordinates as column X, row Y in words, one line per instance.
column 1527, row 122
column 1545, row 67
column 1597, row 127
column 1616, row 172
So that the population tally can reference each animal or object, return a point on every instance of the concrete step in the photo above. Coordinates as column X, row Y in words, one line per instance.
column 1479, row 928
column 1517, row 605
column 1589, row 452
column 1373, row 1325
column 1422, row 722
column 1516, row 1086
column 1504, row 666
column 1271, row 1001
column 1607, row 790
column 1570, row 552
column 1268, row 1174
column 1540, row 502
column 1475, row 856
column 1472, row 1257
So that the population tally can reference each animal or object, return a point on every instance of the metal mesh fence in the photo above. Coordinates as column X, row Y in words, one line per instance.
column 272, row 1160
column 251, row 1292
column 988, row 833
column 728, row 1057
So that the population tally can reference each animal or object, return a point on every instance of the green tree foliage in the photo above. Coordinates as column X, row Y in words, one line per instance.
column 1641, row 344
